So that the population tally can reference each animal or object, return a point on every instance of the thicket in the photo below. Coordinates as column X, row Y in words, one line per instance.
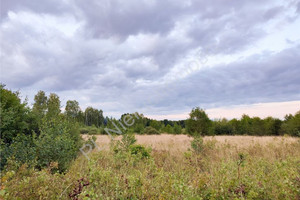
column 38, row 136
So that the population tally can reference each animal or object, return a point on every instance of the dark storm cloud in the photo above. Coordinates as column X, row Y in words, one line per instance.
column 120, row 52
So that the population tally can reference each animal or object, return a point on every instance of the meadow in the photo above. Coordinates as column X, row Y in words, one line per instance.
column 49, row 154
column 169, row 167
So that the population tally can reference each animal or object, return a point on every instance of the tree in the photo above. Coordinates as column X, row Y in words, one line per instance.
column 245, row 125
column 53, row 106
column 155, row 124
column 168, row 129
column 40, row 104
column 93, row 117
column 72, row 109
column 14, row 115
column 223, row 127
column 257, row 126
column 198, row 123
column 16, row 124
column 291, row 125
column 177, row 128
column 272, row 126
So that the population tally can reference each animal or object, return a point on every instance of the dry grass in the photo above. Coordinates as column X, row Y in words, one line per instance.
column 269, row 170
column 181, row 143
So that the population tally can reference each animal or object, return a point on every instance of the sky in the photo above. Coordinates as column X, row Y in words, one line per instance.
column 159, row 58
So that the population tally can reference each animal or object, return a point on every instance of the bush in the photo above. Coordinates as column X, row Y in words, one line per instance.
column 84, row 131
column 59, row 142
column 22, row 150
column 198, row 145
column 177, row 129
column 151, row 131
column 168, row 129
column 93, row 131
column 139, row 150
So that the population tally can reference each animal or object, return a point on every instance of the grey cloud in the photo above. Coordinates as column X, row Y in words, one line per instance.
column 53, row 6
column 109, row 55
column 252, row 80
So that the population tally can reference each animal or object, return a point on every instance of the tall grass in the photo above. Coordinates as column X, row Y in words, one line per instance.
column 219, row 170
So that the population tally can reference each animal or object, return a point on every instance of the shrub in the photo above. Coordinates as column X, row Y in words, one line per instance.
column 139, row 150
column 197, row 144
column 83, row 131
column 59, row 142
column 168, row 129
column 177, row 129
column 22, row 150
column 151, row 131
column 93, row 131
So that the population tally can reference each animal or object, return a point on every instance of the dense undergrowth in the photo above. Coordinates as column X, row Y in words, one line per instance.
column 209, row 170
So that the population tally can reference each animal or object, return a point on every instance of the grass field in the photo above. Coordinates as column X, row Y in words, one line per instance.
column 175, row 143
column 223, row 167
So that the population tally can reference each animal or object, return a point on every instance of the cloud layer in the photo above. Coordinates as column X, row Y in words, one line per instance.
column 153, row 56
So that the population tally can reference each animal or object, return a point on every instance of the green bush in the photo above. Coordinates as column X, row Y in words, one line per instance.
column 139, row 150
column 84, row 131
column 59, row 142
column 151, row 131
column 22, row 150
column 197, row 144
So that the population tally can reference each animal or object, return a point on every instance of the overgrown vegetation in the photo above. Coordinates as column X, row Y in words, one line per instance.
column 209, row 171
column 38, row 136
column 40, row 145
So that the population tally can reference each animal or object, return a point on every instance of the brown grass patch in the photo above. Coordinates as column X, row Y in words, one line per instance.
column 181, row 143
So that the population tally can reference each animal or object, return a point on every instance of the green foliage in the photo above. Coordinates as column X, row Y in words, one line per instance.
column 14, row 115
column 139, row 128
column 40, row 105
column 291, row 125
column 127, row 140
column 139, row 150
column 156, row 124
column 22, row 150
column 167, row 129
column 72, row 109
column 197, row 145
column 198, row 123
column 177, row 129
column 150, row 131
column 267, row 172
column 59, row 142
column 53, row 106
column 91, row 130
column 93, row 116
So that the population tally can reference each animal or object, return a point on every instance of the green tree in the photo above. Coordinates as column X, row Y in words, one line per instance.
column 14, row 115
column 177, row 128
column 223, row 127
column 59, row 142
column 53, row 106
column 72, row 109
column 16, row 123
column 272, row 126
column 155, row 124
column 40, row 104
column 93, row 117
column 168, row 129
column 245, row 125
column 198, row 123
column 291, row 125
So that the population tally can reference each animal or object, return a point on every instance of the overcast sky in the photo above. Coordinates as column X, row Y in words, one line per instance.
column 160, row 58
